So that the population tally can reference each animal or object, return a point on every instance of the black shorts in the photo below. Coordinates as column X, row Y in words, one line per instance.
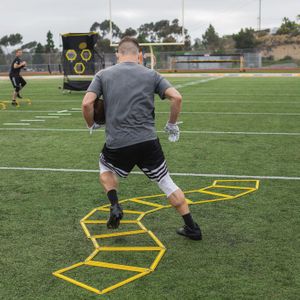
column 148, row 156
column 17, row 81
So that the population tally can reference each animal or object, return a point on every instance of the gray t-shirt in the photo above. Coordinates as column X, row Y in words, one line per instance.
column 128, row 92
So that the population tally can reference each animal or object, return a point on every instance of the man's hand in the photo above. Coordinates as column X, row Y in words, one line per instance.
column 94, row 127
column 88, row 108
column 173, row 131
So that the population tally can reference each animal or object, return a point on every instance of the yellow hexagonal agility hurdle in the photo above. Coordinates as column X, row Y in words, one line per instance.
column 3, row 103
column 220, row 190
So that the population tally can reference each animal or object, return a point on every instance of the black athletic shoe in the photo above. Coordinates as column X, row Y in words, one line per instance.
column 19, row 96
column 14, row 103
column 192, row 233
column 116, row 214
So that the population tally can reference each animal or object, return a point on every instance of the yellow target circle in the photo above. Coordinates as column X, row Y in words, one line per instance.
column 71, row 55
column 82, row 45
column 86, row 54
column 79, row 68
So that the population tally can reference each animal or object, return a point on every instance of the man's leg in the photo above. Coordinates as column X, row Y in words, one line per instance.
column 22, row 83
column 177, row 199
column 153, row 164
column 15, row 92
column 14, row 96
column 109, row 181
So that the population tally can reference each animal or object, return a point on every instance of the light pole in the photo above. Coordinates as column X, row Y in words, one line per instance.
column 259, row 16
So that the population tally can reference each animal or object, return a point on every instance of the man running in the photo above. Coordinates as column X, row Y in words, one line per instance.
column 128, row 90
column 16, row 79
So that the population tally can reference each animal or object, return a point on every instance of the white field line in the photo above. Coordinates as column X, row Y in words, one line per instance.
column 231, row 113
column 184, row 75
column 46, row 117
column 141, row 173
column 160, row 131
column 28, row 111
column 51, row 113
column 62, row 114
column 184, row 101
column 38, row 120
column 180, row 86
column 16, row 124
column 62, row 111
column 240, row 102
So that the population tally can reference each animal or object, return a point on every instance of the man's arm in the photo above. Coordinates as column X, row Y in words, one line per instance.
column 88, row 108
column 22, row 64
column 176, row 99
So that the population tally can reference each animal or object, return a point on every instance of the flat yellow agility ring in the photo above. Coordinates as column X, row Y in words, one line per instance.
column 3, row 103
column 220, row 190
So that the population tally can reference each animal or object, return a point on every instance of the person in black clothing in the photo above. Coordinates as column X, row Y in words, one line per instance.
column 16, row 79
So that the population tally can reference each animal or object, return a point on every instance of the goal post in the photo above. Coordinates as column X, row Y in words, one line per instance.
column 207, row 61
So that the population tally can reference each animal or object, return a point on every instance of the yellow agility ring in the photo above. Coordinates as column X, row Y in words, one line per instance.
column 86, row 54
column 71, row 55
column 3, row 103
column 79, row 68
column 220, row 190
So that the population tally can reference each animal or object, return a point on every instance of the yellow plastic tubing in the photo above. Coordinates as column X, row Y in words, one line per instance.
column 3, row 103
column 220, row 190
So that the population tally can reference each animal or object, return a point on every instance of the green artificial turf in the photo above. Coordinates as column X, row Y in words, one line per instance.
column 250, row 247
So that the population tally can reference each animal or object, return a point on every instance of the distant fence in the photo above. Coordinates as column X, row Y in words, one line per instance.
column 51, row 63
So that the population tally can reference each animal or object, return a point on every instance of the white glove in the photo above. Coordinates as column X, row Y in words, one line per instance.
column 173, row 131
column 94, row 127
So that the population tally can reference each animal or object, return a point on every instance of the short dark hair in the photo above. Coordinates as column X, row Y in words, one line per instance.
column 128, row 45
column 18, row 50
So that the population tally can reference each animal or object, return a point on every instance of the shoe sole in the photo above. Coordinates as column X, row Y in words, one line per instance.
column 192, row 237
column 114, row 222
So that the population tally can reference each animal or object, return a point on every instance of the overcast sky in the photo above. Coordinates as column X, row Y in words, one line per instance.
column 33, row 18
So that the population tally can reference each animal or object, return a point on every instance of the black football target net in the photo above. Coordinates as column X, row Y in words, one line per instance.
column 78, row 60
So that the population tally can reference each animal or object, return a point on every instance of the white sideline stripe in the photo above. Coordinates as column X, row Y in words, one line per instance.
column 16, row 124
column 28, row 111
column 51, row 113
column 39, row 120
column 46, row 117
column 185, row 75
column 56, row 114
column 62, row 111
column 141, row 173
column 240, row 102
column 240, row 132
column 231, row 113
column 179, row 86
column 185, row 101
column 158, row 131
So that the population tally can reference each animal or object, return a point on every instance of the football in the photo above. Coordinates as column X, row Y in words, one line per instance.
column 99, row 114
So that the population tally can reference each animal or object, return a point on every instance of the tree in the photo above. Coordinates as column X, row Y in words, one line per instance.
column 288, row 27
column 129, row 32
column 104, row 29
column 164, row 31
column 15, row 39
column 197, row 46
column 38, row 56
column 49, row 47
column 4, row 42
column 245, row 39
column 29, row 46
column 210, row 39
column 11, row 40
